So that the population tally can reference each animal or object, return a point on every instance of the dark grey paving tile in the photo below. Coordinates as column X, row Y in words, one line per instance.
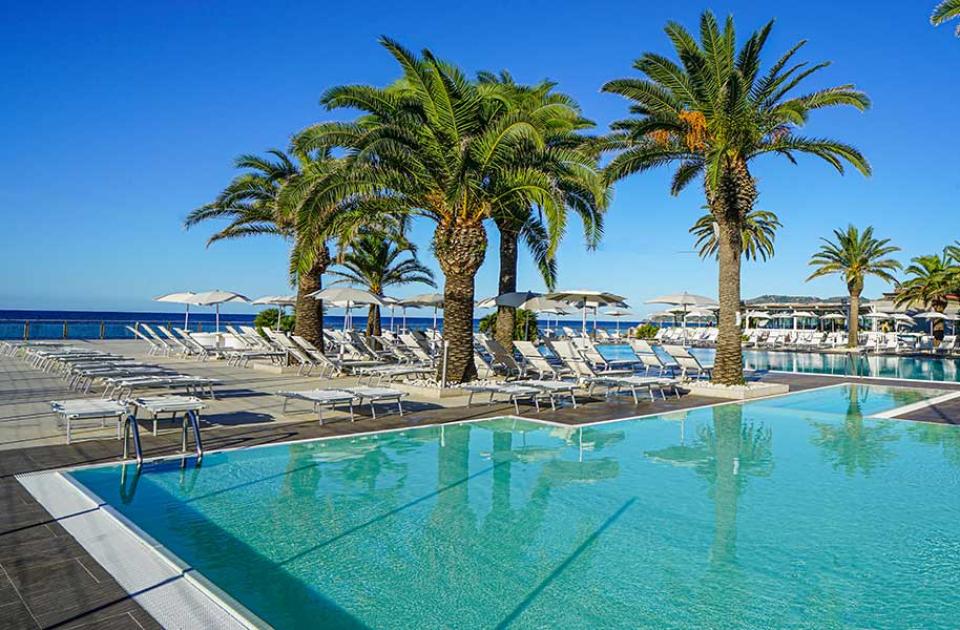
column 16, row 616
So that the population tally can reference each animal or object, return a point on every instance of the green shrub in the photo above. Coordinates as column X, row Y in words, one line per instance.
column 268, row 319
column 525, row 328
column 646, row 331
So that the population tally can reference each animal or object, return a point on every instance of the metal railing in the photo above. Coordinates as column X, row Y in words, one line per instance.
column 27, row 329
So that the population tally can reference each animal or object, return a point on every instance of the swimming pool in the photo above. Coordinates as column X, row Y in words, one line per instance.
column 913, row 368
column 792, row 511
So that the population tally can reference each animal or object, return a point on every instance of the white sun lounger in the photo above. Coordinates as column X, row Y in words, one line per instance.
column 515, row 393
column 72, row 410
column 375, row 395
column 321, row 398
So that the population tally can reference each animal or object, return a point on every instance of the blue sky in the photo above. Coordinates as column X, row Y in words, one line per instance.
column 118, row 118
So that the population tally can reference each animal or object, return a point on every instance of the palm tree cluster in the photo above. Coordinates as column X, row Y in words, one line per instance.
column 933, row 280
column 468, row 153
column 434, row 144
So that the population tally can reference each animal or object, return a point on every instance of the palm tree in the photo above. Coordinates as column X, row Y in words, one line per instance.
column 375, row 261
column 947, row 10
column 933, row 284
column 712, row 115
column 855, row 255
column 759, row 232
column 583, row 188
column 254, row 204
column 438, row 146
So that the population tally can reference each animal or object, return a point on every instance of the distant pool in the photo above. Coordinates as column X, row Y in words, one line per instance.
column 913, row 368
column 797, row 511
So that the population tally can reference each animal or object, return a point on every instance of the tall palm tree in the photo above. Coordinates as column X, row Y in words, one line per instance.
column 376, row 261
column 759, row 233
column 945, row 11
column 254, row 203
column 712, row 115
column 429, row 146
column 584, row 190
column 934, row 281
column 855, row 255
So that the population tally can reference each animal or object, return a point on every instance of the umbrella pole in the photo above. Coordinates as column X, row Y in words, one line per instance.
column 583, row 325
column 435, row 322
column 186, row 319
column 279, row 315
column 218, row 318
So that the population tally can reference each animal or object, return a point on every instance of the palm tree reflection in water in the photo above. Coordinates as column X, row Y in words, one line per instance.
column 853, row 445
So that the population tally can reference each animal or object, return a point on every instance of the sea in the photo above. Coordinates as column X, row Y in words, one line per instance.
column 45, row 325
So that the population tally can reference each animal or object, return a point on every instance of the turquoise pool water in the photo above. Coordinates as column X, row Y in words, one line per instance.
column 796, row 511
column 913, row 368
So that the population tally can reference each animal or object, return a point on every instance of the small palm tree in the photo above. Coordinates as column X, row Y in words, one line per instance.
column 935, row 281
column 439, row 146
column 254, row 203
column 855, row 255
column 759, row 232
column 376, row 261
column 712, row 115
column 946, row 11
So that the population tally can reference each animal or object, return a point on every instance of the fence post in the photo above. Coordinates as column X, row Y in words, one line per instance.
column 26, row 330
column 65, row 329
column 103, row 328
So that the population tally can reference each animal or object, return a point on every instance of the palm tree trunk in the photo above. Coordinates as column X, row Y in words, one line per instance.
column 506, row 315
column 853, row 317
column 373, row 321
column 309, row 311
column 730, row 203
column 728, row 365
column 460, row 250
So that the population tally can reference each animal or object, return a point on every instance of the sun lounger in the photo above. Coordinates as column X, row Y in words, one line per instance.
column 69, row 411
column 513, row 391
column 321, row 398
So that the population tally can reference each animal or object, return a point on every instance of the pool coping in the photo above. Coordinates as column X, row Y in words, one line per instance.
column 154, row 550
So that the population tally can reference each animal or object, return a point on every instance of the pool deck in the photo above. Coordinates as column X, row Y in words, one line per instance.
column 48, row 580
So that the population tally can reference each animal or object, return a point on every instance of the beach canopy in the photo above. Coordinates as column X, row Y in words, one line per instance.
column 348, row 298
column 836, row 316
column 181, row 297
column 617, row 312
column 424, row 299
column 346, row 295
column 931, row 315
column 585, row 298
column 514, row 299
column 216, row 298
column 277, row 300
column 684, row 299
column 542, row 305
column 805, row 314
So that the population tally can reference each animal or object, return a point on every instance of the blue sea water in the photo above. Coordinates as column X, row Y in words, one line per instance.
column 112, row 324
column 792, row 512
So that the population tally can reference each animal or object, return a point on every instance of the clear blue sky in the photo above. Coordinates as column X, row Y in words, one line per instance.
column 118, row 118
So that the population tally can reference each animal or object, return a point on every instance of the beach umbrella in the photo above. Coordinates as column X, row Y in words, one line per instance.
column 796, row 315
column 216, row 298
column 393, row 303
column 276, row 300
column 424, row 299
column 347, row 298
column 933, row 316
column 515, row 299
column 833, row 318
column 181, row 297
column 684, row 300
column 876, row 316
column 581, row 297
column 617, row 313
column 756, row 315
